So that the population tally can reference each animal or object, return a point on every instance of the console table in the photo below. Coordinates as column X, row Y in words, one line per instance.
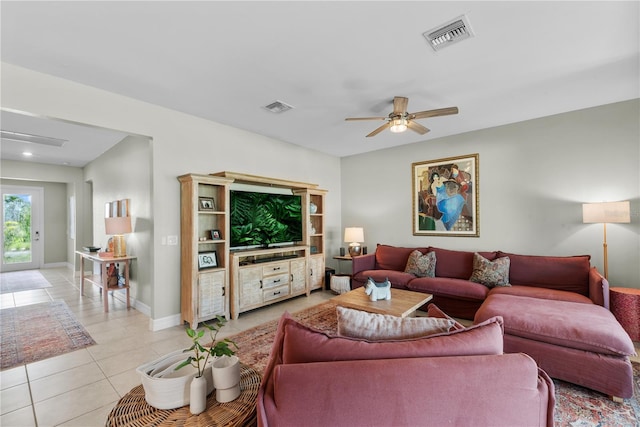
column 133, row 410
column 102, row 279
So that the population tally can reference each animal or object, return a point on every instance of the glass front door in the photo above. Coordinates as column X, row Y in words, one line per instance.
column 21, row 233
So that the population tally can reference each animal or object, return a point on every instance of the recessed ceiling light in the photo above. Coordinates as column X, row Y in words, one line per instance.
column 27, row 154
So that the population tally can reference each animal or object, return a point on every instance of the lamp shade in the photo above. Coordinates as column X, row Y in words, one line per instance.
column 353, row 234
column 117, row 225
column 606, row 212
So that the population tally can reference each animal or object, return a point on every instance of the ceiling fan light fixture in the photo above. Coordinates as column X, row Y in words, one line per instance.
column 398, row 125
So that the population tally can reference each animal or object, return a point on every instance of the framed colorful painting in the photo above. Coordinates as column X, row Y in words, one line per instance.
column 445, row 197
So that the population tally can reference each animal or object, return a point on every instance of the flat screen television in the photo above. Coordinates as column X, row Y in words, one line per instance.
column 264, row 219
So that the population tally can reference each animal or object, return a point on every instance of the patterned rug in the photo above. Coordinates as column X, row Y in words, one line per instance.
column 575, row 406
column 39, row 331
column 17, row 281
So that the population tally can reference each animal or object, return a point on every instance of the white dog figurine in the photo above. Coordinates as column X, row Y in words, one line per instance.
column 378, row 291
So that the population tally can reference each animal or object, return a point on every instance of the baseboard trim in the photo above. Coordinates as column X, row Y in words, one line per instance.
column 164, row 323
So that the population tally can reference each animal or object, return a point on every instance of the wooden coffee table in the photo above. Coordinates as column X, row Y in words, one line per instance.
column 402, row 303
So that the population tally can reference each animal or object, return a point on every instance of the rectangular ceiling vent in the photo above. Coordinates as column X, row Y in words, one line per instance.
column 278, row 107
column 449, row 33
column 32, row 139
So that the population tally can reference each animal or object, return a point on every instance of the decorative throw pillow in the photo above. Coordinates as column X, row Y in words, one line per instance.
column 381, row 327
column 490, row 273
column 421, row 265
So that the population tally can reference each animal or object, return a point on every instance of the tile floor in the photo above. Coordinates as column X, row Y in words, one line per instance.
column 81, row 387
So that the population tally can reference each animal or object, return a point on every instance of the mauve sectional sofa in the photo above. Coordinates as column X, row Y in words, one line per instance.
column 556, row 309
column 458, row 378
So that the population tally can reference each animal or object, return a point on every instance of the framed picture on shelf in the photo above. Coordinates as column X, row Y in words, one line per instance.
column 207, row 204
column 207, row 260
column 445, row 197
column 215, row 235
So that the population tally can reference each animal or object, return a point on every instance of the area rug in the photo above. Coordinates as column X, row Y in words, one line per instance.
column 575, row 406
column 17, row 281
column 35, row 332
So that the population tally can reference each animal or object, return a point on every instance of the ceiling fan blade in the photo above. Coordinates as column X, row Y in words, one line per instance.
column 365, row 118
column 434, row 113
column 417, row 127
column 400, row 105
column 380, row 129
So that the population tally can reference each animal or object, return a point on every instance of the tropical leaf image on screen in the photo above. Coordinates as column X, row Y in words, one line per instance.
column 261, row 219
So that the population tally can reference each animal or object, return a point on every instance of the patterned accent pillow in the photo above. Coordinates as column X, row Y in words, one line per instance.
column 381, row 327
column 421, row 265
column 490, row 273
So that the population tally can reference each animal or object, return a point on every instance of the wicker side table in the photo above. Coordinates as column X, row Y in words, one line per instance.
column 134, row 411
column 625, row 305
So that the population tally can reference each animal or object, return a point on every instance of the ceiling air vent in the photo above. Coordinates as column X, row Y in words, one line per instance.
column 278, row 107
column 32, row 139
column 449, row 33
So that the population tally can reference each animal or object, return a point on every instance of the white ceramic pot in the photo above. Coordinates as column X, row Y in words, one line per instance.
column 198, row 395
column 226, row 378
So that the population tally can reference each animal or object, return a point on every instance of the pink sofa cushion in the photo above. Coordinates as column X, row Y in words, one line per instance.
column 559, row 322
column 562, row 273
column 393, row 257
column 443, row 286
column 302, row 344
column 399, row 279
column 541, row 293
column 456, row 264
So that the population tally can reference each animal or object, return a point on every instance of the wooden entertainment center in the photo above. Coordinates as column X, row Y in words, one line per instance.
column 235, row 281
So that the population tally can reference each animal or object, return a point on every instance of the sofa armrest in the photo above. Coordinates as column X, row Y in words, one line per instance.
column 598, row 288
column 362, row 263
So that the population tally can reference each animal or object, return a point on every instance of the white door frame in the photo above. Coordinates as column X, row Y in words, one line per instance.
column 37, row 229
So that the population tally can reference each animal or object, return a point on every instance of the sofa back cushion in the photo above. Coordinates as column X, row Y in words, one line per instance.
column 393, row 257
column 457, row 264
column 563, row 273
column 303, row 344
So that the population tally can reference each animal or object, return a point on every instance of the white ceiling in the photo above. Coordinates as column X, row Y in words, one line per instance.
column 224, row 61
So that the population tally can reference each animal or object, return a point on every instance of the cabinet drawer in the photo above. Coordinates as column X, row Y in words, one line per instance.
column 282, row 267
column 276, row 293
column 273, row 281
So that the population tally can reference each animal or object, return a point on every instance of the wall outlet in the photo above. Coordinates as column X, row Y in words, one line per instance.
column 172, row 240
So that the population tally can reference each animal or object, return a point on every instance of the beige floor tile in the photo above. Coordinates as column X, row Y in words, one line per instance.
column 57, row 364
column 96, row 417
column 13, row 377
column 125, row 381
column 19, row 418
column 14, row 398
column 76, row 403
column 126, row 360
column 62, row 382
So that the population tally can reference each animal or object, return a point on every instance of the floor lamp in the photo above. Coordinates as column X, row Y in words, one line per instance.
column 606, row 212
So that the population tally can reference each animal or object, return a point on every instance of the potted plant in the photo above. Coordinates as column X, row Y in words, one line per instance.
column 200, row 358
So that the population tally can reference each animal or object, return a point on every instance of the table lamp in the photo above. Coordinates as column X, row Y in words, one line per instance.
column 354, row 236
column 118, row 226
column 612, row 212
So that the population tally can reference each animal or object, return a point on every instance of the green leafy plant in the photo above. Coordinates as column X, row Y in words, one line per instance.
column 201, row 354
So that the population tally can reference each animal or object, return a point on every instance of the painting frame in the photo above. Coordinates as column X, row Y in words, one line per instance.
column 207, row 260
column 206, row 204
column 445, row 196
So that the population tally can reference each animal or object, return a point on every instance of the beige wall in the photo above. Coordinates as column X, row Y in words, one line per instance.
column 534, row 176
column 124, row 172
